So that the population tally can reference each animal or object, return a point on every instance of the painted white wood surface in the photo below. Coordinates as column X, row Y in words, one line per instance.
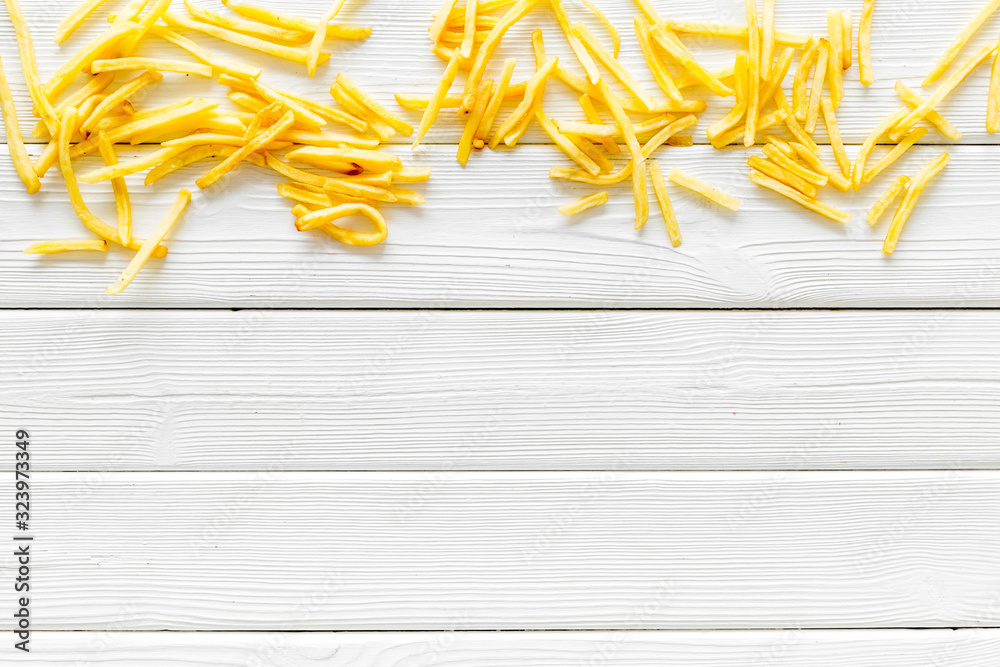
column 571, row 550
column 787, row 648
column 490, row 236
column 454, row 390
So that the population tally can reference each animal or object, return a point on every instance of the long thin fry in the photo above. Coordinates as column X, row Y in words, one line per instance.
column 372, row 105
column 469, row 34
column 800, row 97
column 639, row 195
column 217, row 63
column 816, row 94
column 294, row 54
column 888, row 197
column 375, row 161
column 256, row 143
column 681, row 55
column 836, row 179
column 66, row 245
column 942, row 124
column 187, row 157
column 146, row 251
column 734, row 31
column 806, row 202
column 29, row 67
column 517, row 11
column 663, row 199
column 565, row 144
column 616, row 40
column 858, row 170
column 532, row 95
column 865, row 43
column 623, row 75
column 254, row 29
column 73, row 20
column 312, row 61
column 441, row 20
column 830, row 120
column 99, row 46
column 779, row 174
column 112, row 101
column 154, row 64
column 493, row 108
column 472, row 123
column 322, row 220
column 92, row 222
column 589, row 66
column 133, row 166
column 948, row 57
column 272, row 18
column 434, row 106
column 623, row 122
column 917, row 185
column 788, row 164
column 846, row 52
column 583, row 204
column 897, row 151
column 767, row 39
column 753, row 74
column 792, row 125
column 704, row 189
column 834, row 71
column 335, row 185
column 15, row 142
column 659, row 71
column 122, row 202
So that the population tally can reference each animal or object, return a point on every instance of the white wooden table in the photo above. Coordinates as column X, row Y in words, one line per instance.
column 770, row 446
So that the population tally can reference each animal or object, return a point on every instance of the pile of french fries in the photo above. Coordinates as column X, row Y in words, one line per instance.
column 467, row 34
column 266, row 127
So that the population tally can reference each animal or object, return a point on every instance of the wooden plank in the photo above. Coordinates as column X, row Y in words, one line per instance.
column 489, row 236
column 789, row 648
column 426, row 390
column 907, row 39
column 584, row 550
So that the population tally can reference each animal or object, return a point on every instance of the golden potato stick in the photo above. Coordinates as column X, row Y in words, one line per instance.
column 146, row 251
column 92, row 222
column 713, row 194
column 95, row 86
column 472, row 123
column 125, row 64
column 133, row 166
column 778, row 72
column 434, row 106
column 753, row 74
column 187, row 157
column 660, row 74
column 42, row 105
column 441, row 20
column 254, row 29
column 830, row 120
column 256, row 143
column 800, row 97
column 897, row 188
column 247, row 101
column 592, row 151
column 321, row 220
column 469, row 34
column 522, row 113
column 780, row 144
column 377, row 161
column 913, row 192
column 944, row 89
column 735, row 115
column 647, row 9
column 594, row 117
column 146, row 21
column 412, row 175
column 196, row 122
column 790, row 165
column 583, row 204
column 50, row 155
column 330, row 139
column 837, row 179
column 665, row 135
column 865, row 43
column 517, row 11
column 835, row 47
column 316, row 44
column 72, row 21
column 589, row 66
column 858, row 170
column 639, row 194
column 683, row 56
column 792, row 124
column 318, row 111
column 618, row 113
column 846, row 52
column 776, row 172
column 897, row 151
column 407, row 197
column 993, row 100
column 767, row 40
column 736, row 134
column 823, row 59
column 118, row 97
column 581, row 176
column 303, row 196
column 344, row 99
column 493, row 108
column 294, row 54
column 588, row 130
column 98, row 46
column 266, row 117
column 162, row 121
column 735, row 32
column 948, row 57
column 538, row 46
column 334, row 185
column 663, row 199
column 122, row 202
column 306, row 116
column 218, row 63
column 372, row 105
column 66, row 245
column 802, row 200
column 617, row 70
column 269, row 17
column 567, row 146
column 616, row 40
column 15, row 143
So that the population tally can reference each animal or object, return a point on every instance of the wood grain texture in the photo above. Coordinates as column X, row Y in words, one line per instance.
column 789, row 648
column 484, row 241
column 585, row 550
column 422, row 390
column 907, row 39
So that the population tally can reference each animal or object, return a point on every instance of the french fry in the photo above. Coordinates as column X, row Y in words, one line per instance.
column 897, row 188
column 337, row 186
column 95, row 86
column 734, row 31
column 122, row 203
column 189, row 156
column 616, row 40
column 156, row 9
column 377, row 161
column 667, row 133
column 837, row 179
column 806, row 202
column 307, row 115
column 617, row 70
column 583, row 204
column 865, row 43
column 302, row 195
column 567, row 146
column 800, row 97
column 830, row 120
column 272, row 18
column 588, row 130
column 739, row 109
column 292, row 53
column 516, row 12
column 948, row 57
column 914, row 100
column 118, row 97
column 322, row 220
column 522, row 113
column 660, row 73
column 589, row 66
column 913, row 192
column 434, row 107
column 41, row 101
column 736, row 134
column 834, row 71
column 133, row 166
column 98, row 46
column 753, row 74
column 73, row 20
column 639, row 194
column 251, row 28
column 783, row 175
column 66, row 245
column 148, row 248
column 469, row 34
column 683, row 56
column 253, row 145
column 835, row 35
column 372, row 105
column 790, row 165
column 778, row 72
column 594, row 118
column 618, row 113
column 858, row 170
column 412, row 175
column 780, row 144
column 944, row 89
column 329, row 139
column 15, row 143
column 663, row 199
column 993, row 100
column 472, row 123
column 217, row 63
column 816, row 94
column 846, row 51
column 767, row 40
column 704, row 189
column 592, row 151
column 792, row 125
column 316, row 44
column 897, row 151
column 156, row 65
column 493, row 107
column 441, row 20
